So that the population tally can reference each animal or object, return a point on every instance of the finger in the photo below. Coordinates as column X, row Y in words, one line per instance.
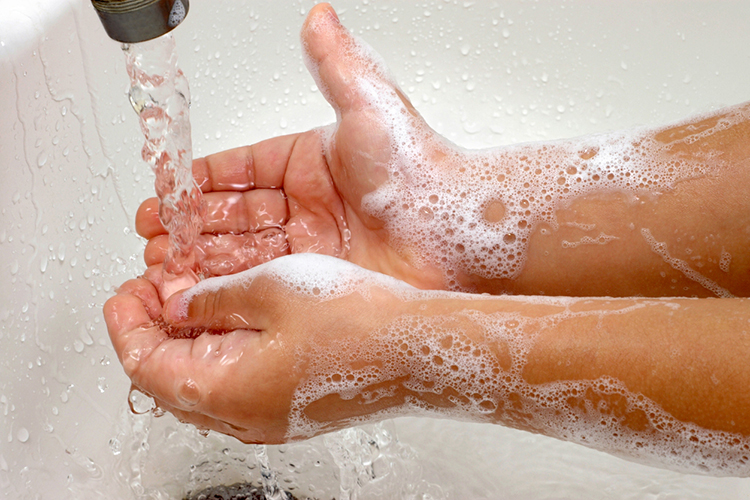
column 131, row 330
column 223, row 304
column 261, row 165
column 146, row 291
column 337, row 60
column 251, row 211
column 226, row 212
column 147, row 223
column 226, row 253
column 155, row 273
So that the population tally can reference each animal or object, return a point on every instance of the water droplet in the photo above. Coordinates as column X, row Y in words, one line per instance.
column 78, row 345
column 465, row 48
column 22, row 435
column 115, row 445
column 41, row 160
column 101, row 384
column 139, row 402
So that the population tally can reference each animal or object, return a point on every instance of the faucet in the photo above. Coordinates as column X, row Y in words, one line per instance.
column 133, row 21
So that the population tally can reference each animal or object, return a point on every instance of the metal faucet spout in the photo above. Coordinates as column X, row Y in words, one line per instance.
column 133, row 21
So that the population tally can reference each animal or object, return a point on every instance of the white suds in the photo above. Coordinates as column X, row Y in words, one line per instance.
column 660, row 248
column 725, row 260
column 602, row 239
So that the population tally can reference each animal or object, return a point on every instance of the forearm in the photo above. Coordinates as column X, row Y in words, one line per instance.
column 659, row 212
column 648, row 379
column 687, row 239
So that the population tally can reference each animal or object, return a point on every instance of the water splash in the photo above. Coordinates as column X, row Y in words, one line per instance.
column 271, row 488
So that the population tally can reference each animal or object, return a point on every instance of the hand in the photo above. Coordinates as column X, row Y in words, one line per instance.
column 279, row 322
column 303, row 192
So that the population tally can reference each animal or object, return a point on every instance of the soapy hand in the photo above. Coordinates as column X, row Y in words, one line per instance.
column 303, row 192
column 243, row 378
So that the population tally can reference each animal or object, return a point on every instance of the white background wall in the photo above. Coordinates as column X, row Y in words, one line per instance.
column 483, row 73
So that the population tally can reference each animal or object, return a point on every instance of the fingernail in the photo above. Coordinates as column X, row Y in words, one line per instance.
column 332, row 14
column 175, row 310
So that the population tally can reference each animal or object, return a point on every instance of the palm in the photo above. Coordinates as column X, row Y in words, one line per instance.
column 285, row 196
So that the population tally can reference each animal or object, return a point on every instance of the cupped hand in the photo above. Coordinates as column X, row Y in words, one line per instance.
column 303, row 192
column 252, row 341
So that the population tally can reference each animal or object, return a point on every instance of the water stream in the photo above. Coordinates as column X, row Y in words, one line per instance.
column 160, row 95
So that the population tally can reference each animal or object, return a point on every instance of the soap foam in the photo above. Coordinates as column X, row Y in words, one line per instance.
column 660, row 248
column 442, row 213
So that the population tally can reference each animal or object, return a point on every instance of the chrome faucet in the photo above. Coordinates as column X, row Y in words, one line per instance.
column 133, row 21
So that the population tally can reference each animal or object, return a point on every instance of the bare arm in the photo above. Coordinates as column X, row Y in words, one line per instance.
column 658, row 380
column 702, row 219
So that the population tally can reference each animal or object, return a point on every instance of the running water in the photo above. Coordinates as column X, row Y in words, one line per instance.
column 160, row 95
column 271, row 488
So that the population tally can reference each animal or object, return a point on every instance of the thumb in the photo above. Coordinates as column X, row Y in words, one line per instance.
column 339, row 62
column 216, row 305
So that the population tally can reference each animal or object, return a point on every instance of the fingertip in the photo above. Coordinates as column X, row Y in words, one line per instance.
column 146, row 292
column 321, row 12
column 315, row 33
column 156, row 250
column 176, row 308
column 124, row 313
column 147, row 223
column 201, row 174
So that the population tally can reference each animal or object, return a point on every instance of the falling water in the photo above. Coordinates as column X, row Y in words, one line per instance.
column 160, row 95
column 271, row 488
